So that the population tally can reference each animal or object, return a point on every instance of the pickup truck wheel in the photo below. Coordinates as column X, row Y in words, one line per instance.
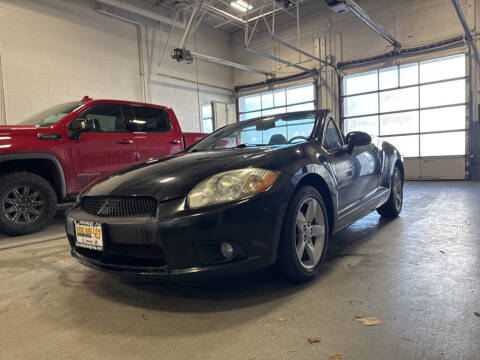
column 27, row 203
column 304, row 240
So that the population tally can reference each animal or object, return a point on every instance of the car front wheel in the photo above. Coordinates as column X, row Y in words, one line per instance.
column 304, row 239
column 27, row 203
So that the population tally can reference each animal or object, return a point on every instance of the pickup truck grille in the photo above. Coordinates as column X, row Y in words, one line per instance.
column 119, row 205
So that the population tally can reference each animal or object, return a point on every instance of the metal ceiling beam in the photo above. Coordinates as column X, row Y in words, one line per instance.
column 466, row 29
column 272, row 57
column 228, row 63
column 143, row 12
column 191, row 24
column 287, row 45
column 372, row 24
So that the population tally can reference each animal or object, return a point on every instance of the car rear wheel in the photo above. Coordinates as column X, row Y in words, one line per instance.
column 304, row 241
column 393, row 206
column 27, row 203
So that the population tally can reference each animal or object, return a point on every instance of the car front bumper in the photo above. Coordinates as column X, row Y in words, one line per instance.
column 182, row 244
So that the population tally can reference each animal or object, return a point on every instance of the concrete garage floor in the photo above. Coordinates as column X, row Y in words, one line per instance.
column 420, row 274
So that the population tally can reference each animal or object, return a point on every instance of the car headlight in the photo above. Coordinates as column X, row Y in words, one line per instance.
column 231, row 186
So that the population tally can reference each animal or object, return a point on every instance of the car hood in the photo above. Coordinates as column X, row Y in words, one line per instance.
column 174, row 176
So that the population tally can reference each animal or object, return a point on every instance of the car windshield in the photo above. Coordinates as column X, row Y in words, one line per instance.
column 51, row 115
column 266, row 131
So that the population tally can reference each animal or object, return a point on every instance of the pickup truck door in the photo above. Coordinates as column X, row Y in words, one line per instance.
column 105, row 149
column 156, row 131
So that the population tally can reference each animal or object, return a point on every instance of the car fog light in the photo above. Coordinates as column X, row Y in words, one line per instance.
column 227, row 250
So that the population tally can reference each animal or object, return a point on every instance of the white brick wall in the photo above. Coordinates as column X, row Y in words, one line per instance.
column 55, row 51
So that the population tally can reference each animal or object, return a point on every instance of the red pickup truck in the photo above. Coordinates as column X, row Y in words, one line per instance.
column 51, row 156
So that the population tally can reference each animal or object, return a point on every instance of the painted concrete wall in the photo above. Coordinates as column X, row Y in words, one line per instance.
column 54, row 51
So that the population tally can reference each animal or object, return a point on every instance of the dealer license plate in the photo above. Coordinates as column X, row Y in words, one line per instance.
column 89, row 235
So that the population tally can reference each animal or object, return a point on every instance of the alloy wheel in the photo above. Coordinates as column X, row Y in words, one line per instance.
column 23, row 205
column 397, row 189
column 310, row 233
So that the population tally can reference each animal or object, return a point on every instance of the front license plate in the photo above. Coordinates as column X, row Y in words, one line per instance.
column 89, row 235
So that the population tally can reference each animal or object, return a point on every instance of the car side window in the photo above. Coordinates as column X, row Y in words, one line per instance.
column 147, row 119
column 333, row 139
column 105, row 118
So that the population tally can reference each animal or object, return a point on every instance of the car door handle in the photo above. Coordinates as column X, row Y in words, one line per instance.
column 174, row 141
column 125, row 141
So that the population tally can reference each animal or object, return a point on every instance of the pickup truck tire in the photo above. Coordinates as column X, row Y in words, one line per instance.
column 27, row 203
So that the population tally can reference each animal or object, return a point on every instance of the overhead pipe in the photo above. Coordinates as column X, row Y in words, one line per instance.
column 141, row 63
column 466, row 29
column 194, row 82
column 143, row 12
column 372, row 24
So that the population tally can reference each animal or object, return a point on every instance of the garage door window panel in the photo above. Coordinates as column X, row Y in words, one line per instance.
column 444, row 93
column 442, row 119
column 389, row 78
column 361, row 83
column 408, row 145
column 368, row 124
column 408, row 74
column 443, row 144
column 442, row 69
column 298, row 98
column 361, row 104
column 398, row 100
column 399, row 123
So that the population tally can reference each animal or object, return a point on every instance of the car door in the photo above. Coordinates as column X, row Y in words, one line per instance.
column 108, row 147
column 155, row 134
column 357, row 171
column 341, row 162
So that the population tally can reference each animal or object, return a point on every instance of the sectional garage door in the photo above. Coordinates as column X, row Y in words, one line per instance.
column 420, row 107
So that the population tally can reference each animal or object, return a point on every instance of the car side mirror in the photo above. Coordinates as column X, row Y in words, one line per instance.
column 78, row 126
column 357, row 138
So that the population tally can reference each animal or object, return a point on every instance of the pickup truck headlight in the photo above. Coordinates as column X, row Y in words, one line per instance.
column 231, row 186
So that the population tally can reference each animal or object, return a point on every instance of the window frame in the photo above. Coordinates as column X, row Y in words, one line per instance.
column 331, row 118
column 93, row 107
column 211, row 118
column 419, row 84
column 132, row 113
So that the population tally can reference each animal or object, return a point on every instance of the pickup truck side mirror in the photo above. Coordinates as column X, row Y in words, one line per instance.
column 78, row 126
column 357, row 138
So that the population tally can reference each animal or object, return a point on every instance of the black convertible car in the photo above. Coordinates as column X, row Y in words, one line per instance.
column 265, row 191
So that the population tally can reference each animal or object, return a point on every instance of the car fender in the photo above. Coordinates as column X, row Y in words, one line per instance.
column 320, row 176
column 390, row 156
column 52, row 158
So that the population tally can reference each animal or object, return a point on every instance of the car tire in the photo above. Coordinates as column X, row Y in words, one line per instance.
column 393, row 206
column 27, row 203
column 301, row 252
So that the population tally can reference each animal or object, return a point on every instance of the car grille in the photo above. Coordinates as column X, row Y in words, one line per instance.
column 119, row 206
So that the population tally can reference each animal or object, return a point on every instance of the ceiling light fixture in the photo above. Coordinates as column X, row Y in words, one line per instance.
column 241, row 5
